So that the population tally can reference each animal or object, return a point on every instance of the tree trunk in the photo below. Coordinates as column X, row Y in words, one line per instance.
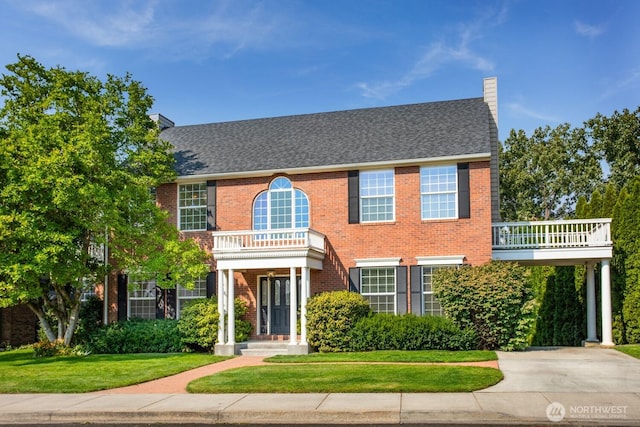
column 73, row 322
column 43, row 321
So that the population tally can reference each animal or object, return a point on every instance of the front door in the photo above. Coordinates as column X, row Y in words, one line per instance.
column 280, row 305
column 276, row 305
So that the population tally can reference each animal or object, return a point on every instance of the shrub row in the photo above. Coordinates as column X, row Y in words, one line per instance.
column 137, row 336
column 410, row 332
column 197, row 330
column 343, row 321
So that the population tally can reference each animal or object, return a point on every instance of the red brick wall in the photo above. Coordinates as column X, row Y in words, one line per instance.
column 17, row 326
column 407, row 237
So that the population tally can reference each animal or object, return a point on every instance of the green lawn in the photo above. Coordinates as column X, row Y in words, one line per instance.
column 347, row 378
column 630, row 349
column 20, row 372
column 428, row 356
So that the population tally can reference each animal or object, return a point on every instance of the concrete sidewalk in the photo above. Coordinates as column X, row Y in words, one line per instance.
column 479, row 408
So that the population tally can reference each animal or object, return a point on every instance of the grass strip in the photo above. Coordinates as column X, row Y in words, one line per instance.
column 21, row 372
column 348, row 379
column 427, row 356
column 630, row 349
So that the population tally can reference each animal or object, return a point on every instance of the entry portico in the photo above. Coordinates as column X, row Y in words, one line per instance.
column 570, row 242
column 300, row 249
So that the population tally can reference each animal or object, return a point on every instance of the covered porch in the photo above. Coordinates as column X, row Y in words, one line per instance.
column 296, row 251
column 568, row 242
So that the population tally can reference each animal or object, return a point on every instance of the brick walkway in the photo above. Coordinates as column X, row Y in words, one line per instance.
column 178, row 383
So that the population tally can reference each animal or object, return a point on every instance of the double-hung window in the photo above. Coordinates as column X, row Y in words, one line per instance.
column 431, row 305
column 378, row 286
column 439, row 192
column 142, row 299
column 377, row 195
column 192, row 203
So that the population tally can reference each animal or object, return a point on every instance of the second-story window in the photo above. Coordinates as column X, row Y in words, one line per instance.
column 281, row 207
column 377, row 193
column 439, row 192
column 192, row 203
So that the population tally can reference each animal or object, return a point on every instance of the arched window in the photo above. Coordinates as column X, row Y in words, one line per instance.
column 280, row 207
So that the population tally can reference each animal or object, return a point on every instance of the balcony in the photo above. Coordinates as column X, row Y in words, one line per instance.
column 567, row 241
column 300, row 247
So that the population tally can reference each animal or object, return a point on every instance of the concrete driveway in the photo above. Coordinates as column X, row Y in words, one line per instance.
column 568, row 369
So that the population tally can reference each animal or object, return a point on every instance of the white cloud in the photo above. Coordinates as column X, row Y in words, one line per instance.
column 518, row 109
column 163, row 27
column 588, row 30
column 440, row 54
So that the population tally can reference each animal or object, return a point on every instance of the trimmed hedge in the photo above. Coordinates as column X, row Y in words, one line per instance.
column 409, row 332
column 137, row 336
column 330, row 318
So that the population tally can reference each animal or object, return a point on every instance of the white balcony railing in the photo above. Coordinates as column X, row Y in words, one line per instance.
column 248, row 240
column 582, row 233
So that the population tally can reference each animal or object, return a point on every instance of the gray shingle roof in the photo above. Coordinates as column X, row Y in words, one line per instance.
column 371, row 135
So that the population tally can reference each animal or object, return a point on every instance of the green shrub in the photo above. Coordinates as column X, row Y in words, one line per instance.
column 199, row 323
column 330, row 317
column 89, row 321
column 409, row 332
column 496, row 300
column 137, row 336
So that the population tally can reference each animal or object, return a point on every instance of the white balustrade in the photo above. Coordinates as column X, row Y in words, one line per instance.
column 233, row 241
column 552, row 234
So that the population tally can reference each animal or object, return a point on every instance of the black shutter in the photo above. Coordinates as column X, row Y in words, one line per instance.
column 211, row 284
column 122, row 296
column 416, row 289
column 354, row 197
column 211, row 205
column 401, row 289
column 464, row 195
column 354, row 279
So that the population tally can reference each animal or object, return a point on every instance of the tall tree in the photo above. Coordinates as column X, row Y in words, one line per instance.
column 77, row 159
column 542, row 176
column 617, row 138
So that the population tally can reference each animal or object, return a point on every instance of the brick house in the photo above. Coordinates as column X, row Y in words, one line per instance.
column 371, row 200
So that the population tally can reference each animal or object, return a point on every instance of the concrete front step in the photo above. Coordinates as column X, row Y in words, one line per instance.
column 265, row 348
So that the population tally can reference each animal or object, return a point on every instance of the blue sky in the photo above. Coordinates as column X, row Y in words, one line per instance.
column 207, row 61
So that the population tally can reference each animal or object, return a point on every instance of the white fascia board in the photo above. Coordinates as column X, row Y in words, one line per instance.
column 335, row 168
column 441, row 260
column 378, row 262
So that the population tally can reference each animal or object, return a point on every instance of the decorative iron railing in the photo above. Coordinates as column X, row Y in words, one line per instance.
column 552, row 234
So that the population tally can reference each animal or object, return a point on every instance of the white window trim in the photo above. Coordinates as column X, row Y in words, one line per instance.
column 393, row 197
column 188, row 207
column 441, row 260
column 378, row 262
column 457, row 213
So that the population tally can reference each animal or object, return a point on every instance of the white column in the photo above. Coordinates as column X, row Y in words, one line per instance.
column 591, row 304
column 293, row 307
column 304, row 295
column 221, row 298
column 231, row 318
column 605, row 277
